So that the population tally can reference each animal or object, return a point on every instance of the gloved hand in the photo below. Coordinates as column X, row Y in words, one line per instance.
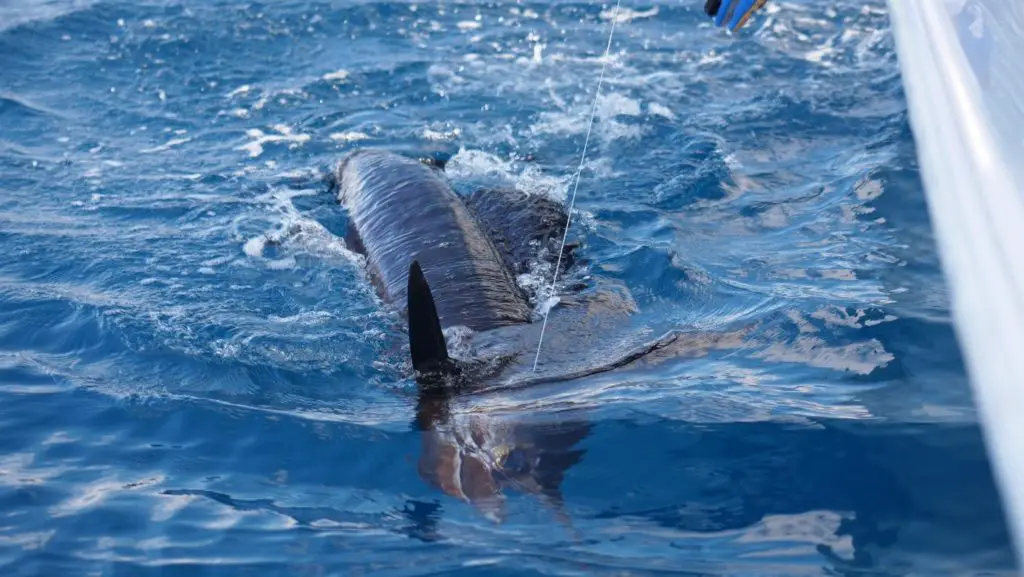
column 738, row 11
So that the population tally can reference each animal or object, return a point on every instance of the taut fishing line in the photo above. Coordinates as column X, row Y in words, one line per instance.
column 579, row 171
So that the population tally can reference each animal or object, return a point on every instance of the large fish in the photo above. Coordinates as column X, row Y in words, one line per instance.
column 453, row 262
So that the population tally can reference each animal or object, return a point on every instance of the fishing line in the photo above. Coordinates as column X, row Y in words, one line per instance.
column 579, row 171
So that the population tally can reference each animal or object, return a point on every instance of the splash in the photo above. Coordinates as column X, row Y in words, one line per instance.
column 259, row 138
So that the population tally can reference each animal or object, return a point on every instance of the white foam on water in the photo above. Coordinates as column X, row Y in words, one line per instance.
column 628, row 14
column 240, row 91
column 254, row 246
column 655, row 109
column 281, row 263
column 307, row 174
column 559, row 123
column 308, row 318
column 547, row 304
column 260, row 138
column 459, row 340
column 295, row 234
column 267, row 95
column 336, row 76
column 531, row 179
column 217, row 261
column 538, row 53
column 573, row 121
column 279, row 94
column 470, row 162
column 166, row 146
column 438, row 136
column 349, row 136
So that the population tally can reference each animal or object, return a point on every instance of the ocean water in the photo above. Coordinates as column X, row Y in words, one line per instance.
column 196, row 377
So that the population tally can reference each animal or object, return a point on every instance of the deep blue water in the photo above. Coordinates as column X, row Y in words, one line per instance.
column 196, row 377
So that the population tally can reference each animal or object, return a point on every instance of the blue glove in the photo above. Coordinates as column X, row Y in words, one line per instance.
column 738, row 11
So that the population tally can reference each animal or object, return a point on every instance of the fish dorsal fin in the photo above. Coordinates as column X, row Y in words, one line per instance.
column 426, row 341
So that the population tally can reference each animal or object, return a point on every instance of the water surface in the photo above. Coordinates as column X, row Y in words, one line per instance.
column 197, row 379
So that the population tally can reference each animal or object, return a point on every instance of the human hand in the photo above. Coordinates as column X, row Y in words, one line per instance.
column 738, row 11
